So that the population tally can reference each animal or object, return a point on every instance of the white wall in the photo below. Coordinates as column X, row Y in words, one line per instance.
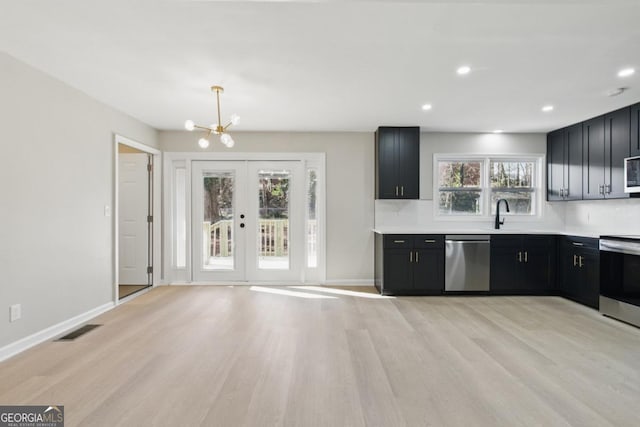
column 56, row 177
column 350, row 187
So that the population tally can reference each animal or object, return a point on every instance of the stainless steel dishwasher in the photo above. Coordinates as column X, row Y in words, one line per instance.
column 467, row 262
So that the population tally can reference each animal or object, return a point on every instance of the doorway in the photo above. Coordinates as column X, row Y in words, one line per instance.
column 248, row 220
column 135, row 203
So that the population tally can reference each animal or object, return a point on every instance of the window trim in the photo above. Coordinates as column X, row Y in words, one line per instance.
column 485, row 185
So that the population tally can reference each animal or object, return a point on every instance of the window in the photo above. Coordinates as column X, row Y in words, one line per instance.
column 512, row 181
column 471, row 185
column 460, row 187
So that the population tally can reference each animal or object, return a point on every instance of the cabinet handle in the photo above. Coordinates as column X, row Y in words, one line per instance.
column 396, row 190
column 526, row 256
column 575, row 260
column 398, row 241
column 417, row 257
column 607, row 188
column 580, row 259
column 402, row 190
column 519, row 256
column 429, row 241
column 577, row 244
column 410, row 256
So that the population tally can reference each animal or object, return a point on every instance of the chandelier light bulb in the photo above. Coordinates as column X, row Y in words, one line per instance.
column 203, row 143
column 235, row 119
column 189, row 125
column 226, row 139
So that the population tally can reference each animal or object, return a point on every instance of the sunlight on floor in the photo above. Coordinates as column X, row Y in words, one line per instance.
column 279, row 291
column 343, row 292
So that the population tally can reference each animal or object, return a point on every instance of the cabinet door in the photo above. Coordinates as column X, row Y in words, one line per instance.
column 505, row 269
column 386, row 161
column 536, row 273
column 398, row 271
column 408, row 158
column 573, row 163
column 616, row 137
column 588, row 287
column 428, row 271
column 635, row 130
column 593, row 158
column 555, row 164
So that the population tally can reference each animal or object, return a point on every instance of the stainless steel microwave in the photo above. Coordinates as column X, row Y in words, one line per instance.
column 632, row 174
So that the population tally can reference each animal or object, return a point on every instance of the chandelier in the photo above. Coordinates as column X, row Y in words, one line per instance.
column 216, row 129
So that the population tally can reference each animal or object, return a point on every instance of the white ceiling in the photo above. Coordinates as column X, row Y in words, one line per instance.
column 338, row 65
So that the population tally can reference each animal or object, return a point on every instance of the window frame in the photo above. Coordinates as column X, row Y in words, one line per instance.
column 486, row 190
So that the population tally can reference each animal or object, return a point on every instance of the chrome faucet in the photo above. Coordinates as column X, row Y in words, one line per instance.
column 498, row 222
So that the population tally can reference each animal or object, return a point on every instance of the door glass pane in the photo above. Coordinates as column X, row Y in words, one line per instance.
column 312, row 222
column 273, row 219
column 217, row 223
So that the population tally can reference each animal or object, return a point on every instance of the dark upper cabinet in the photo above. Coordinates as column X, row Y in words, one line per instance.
column 409, row 264
column 606, row 144
column 564, row 164
column 616, row 142
column 635, row 130
column 522, row 264
column 580, row 270
column 398, row 162
column 555, row 164
column 593, row 158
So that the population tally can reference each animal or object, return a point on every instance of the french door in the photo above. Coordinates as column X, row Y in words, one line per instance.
column 248, row 219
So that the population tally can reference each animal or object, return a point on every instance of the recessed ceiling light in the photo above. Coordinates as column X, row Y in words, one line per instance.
column 465, row 69
column 626, row 72
column 547, row 108
column 427, row 107
column 498, row 131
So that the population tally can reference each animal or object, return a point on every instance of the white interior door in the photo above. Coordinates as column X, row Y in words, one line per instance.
column 133, row 209
column 218, row 195
column 247, row 221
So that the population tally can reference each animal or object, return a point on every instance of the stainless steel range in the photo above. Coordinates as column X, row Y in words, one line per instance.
column 620, row 278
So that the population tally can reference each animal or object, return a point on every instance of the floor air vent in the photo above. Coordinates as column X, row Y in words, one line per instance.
column 78, row 332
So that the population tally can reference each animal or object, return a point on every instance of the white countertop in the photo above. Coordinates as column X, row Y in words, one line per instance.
column 410, row 230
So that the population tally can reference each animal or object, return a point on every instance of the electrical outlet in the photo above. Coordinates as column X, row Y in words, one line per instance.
column 15, row 312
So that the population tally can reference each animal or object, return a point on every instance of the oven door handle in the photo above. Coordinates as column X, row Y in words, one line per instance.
column 630, row 248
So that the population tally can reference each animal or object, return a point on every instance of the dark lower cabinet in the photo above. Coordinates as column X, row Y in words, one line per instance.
column 523, row 265
column 580, row 270
column 409, row 264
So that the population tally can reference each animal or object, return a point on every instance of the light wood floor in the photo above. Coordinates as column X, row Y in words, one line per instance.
column 126, row 290
column 235, row 356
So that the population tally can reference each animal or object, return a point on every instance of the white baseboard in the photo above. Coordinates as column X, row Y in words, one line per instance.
column 23, row 344
column 350, row 282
